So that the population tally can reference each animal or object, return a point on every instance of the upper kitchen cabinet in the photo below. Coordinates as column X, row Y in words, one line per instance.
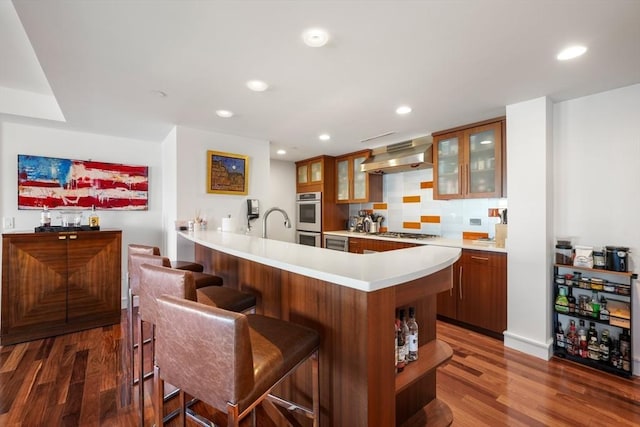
column 468, row 161
column 311, row 173
column 353, row 185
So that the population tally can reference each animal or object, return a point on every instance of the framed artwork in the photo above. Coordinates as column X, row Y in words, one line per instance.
column 227, row 173
column 80, row 184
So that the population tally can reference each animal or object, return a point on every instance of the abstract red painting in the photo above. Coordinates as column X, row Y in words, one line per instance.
column 80, row 184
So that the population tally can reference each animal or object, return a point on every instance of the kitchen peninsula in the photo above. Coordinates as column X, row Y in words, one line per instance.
column 351, row 300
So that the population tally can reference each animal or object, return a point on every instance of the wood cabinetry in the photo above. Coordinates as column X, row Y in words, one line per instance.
column 479, row 294
column 353, row 185
column 359, row 245
column 310, row 173
column 469, row 161
column 55, row 283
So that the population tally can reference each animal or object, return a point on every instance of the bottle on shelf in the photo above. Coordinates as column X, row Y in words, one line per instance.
column 400, row 346
column 405, row 335
column 413, row 335
column 605, row 346
column 625, row 350
column 614, row 356
column 45, row 217
column 395, row 339
column 604, row 312
column 572, row 339
column 593, row 345
column 583, row 346
column 562, row 303
column 595, row 305
column 94, row 219
column 572, row 301
column 560, row 338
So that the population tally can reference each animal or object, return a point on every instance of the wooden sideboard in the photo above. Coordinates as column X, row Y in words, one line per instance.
column 59, row 282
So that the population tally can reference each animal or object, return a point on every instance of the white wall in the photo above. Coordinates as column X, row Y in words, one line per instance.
column 191, row 179
column 530, row 235
column 597, row 149
column 282, row 193
column 136, row 226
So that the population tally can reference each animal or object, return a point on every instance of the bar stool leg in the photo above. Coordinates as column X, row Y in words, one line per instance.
column 141, row 376
column 315, row 385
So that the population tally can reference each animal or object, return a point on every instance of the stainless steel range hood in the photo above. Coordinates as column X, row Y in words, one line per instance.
column 401, row 157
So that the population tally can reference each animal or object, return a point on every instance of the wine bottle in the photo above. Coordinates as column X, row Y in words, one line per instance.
column 413, row 335
column 94, row 219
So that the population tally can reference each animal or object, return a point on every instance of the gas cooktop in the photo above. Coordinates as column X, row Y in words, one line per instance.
column 407, row 235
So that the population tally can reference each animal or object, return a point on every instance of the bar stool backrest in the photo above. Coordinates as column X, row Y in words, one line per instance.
column 205, row 351
column 156, row 281
column 135, row 261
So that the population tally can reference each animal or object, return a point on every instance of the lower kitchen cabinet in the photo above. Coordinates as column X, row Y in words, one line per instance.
column 359, row 245
column 59, row 282
column 479, row 294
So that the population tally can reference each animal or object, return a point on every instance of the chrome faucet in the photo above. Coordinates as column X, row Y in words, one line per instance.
column 287, row 223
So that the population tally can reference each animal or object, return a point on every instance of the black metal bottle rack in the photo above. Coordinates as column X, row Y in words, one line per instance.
column 616, row 288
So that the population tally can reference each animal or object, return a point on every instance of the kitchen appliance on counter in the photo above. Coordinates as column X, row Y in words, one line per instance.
column 309, row 218
column 617, row 258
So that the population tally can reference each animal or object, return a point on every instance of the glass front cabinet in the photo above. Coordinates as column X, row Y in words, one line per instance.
column 468, row 161
column 353, row 185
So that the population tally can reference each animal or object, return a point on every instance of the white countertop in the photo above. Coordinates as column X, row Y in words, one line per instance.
column 478, row 245
column 368, row 272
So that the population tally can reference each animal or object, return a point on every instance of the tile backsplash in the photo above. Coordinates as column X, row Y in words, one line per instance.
column 408, row 203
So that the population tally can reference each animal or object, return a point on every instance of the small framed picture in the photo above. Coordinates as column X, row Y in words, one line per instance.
column 227, row 173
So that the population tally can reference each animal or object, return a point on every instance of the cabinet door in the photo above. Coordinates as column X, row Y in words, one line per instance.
column 359, row 179
column 34, row 283
column 483, row 161
column 448, row 301
column 448, row 166
column 315, row 171
column 94, row 276
column 343, row 180
column 355, row 245
column 483, row 294
column 303, row 174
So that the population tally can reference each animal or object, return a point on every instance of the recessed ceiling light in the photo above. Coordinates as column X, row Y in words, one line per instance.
column 160, row 93
column 225, row 114
column 404, row 109
column 571, row 52
column 324, row 137
column 315, row 37
column 281, row 152
column 257, row 85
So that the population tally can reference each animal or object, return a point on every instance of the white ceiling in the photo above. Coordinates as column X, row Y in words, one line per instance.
column 454, row 62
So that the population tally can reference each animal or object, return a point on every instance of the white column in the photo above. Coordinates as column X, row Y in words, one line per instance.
column 530, row 227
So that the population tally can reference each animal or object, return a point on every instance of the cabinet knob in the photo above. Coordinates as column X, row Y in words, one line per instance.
column 62, row 237
column 73, row 237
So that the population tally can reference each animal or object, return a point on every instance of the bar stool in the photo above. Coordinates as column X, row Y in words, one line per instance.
column 157, row 279
column 137, row 257
column 241, row 358
column 135, row 248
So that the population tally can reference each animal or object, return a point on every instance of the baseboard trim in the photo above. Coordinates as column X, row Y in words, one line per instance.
column 527, row 345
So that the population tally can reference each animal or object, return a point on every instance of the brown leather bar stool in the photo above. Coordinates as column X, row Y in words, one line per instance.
column 156, row 279
column 134, row 248
column 227, row 297
column 241, row 358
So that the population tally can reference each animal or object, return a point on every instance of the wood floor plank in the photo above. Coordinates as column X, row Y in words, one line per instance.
column 81, row 379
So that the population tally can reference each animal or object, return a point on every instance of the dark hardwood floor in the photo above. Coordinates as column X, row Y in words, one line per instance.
column 80, row 379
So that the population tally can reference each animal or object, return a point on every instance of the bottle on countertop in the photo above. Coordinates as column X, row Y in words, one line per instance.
column 413, row 335
column 94, row 219
column 45, row 217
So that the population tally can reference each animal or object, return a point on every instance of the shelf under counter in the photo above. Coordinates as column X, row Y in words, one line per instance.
column 430, row 356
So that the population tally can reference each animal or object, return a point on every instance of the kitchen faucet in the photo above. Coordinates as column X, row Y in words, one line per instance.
column 287, row 223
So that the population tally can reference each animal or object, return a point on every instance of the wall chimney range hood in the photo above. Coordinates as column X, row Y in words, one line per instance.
column 400, row 157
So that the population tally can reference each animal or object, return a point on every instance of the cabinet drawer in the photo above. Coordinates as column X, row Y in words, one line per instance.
column 490, row 259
